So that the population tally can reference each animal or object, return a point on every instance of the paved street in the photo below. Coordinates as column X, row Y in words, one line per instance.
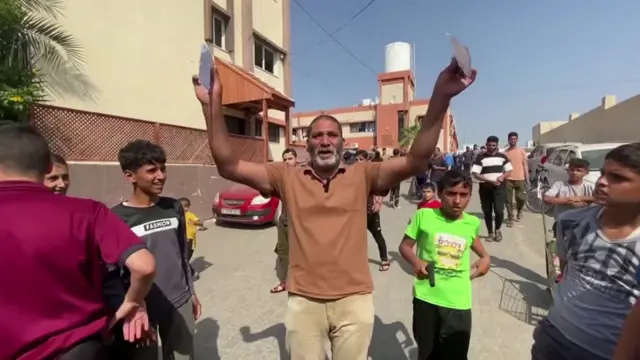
column 242, row 321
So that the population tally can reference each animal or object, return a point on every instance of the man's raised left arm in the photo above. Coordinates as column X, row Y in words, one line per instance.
column 448, row 85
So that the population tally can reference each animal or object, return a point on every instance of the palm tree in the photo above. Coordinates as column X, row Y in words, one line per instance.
column 34, row 49
column 408, row 135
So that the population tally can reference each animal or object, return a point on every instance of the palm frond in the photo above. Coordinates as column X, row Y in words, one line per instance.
column 50, row 42
column 408, row 135
column 52, row 8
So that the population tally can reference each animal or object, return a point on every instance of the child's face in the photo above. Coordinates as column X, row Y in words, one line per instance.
column 149, row 178
column 58, row 179
column 576, row 173
column 427, row 194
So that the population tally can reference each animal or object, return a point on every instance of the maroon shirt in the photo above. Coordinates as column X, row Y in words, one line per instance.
column 53, row 249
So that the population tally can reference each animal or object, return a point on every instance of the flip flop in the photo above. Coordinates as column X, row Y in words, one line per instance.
column 279, row 288
column 384, row 266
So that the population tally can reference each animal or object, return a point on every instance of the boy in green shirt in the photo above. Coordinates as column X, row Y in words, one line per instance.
column 442, row 313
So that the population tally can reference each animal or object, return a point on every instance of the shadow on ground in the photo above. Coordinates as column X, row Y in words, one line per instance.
column 229, row 225
column 389, row 341
column 206, row 339
column 519, row 270
column 200, row 264
column 396, row 258
column 524, row 301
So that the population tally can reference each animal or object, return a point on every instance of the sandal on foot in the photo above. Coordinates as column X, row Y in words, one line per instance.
column 279, row 288
column 384, row 266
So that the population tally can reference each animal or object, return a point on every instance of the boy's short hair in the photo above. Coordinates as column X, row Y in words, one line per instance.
column 627, row 155
column 396, row 152
column 454, row 177
column 579, row 163
column 512, row 134
column 185, row 201
column 57, row 159
column 493, row 139
column 429, row 185
column 139, row 153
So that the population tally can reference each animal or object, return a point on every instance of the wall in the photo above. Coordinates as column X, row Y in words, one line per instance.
column 609, row 122
column 392, row 93
column 139, row 59
column 276, row 149
column 344, row 115
column 542, row 127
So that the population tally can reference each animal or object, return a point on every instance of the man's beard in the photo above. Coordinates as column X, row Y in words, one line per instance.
column 329, row 162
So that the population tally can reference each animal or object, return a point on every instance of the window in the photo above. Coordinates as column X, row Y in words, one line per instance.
column 219, row 30
column 570, row 156
column 257, row 128
column 274, row 133
column 558, row 157
column 264, row 56
column 235, row 125
column 595, row 158
column 369, row 126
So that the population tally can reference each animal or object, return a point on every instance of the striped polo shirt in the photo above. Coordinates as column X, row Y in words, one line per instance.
column 491, row 165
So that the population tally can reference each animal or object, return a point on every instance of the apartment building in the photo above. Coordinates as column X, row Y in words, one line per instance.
column 136, row 84
column 380, row 122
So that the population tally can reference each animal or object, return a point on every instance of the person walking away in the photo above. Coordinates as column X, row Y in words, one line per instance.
column 517, row 180
column 437, row 167
column 71, row 234
column 567, row 195
column 57, row 180
column 599, row 251
column 442, row 313
column 448, row 159
column 374, row 204
column 394, row 196
column 193, row 224
column 290, row 158
column 491, row 168
column 467, row 160
column 329, row 281
column 160, row 222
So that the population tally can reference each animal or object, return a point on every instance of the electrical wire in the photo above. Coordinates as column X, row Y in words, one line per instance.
column 334, row 32
column 334, row 38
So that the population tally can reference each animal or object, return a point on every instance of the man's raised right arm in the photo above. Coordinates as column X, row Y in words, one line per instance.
column 259, row 176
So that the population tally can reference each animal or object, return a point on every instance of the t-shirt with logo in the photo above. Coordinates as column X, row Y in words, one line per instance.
column 446, row 244
column 599, row 286
column 162, row 228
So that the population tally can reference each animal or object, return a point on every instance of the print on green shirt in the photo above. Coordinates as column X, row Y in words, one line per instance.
column 447, row 244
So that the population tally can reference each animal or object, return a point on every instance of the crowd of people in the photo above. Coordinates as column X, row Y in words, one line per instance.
column 88, row 282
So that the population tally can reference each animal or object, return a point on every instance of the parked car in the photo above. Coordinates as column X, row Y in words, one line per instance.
column 539, row 156
column 558, row 162
column 241, row 204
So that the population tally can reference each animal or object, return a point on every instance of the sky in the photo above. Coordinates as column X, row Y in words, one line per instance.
column 536, row 60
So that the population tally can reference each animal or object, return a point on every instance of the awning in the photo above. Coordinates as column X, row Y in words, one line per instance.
column 241, row 86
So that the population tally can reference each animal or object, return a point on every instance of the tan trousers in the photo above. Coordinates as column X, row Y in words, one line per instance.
column 346, row 323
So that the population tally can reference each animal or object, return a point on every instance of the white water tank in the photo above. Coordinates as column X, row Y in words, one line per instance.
column 397, row 57
column 367, row 102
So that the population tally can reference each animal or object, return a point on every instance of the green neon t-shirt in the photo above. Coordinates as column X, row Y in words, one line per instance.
column 446, row 243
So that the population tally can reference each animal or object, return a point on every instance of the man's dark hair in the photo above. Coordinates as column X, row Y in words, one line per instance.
column 579, row 163
column 454, row 177
column 362, row 153
column 185, row 201
column 23, row 150
column 57, row 159
column 493, row 138
column 290, row 151
column 512, row 134
column 325, row 117
column 627, row 155
column 139, row 153
column 396, row 152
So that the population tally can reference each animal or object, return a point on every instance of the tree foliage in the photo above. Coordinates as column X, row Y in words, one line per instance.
column 408, row 135
column 30, row 35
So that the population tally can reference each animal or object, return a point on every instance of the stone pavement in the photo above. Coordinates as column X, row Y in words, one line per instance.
column 241, row 320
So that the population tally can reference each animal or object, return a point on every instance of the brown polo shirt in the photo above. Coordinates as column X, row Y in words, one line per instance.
column 328, row 257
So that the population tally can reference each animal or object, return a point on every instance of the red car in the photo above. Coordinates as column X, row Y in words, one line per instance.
column 242, row 204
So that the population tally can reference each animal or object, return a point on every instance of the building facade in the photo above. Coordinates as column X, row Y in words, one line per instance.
column 136, row 83
column 380, row 122
column 609, row 122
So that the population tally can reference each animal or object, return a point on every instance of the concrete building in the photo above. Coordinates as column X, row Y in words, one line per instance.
column 380, row 122
column 140, row 58
column 136, row 84
column 609, row 122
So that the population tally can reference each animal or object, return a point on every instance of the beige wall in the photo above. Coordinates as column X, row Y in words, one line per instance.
column 392, row 93
column 139, row 58
column 276, row 149
column 610, row 122
column 417, row 110
column 542, row 127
